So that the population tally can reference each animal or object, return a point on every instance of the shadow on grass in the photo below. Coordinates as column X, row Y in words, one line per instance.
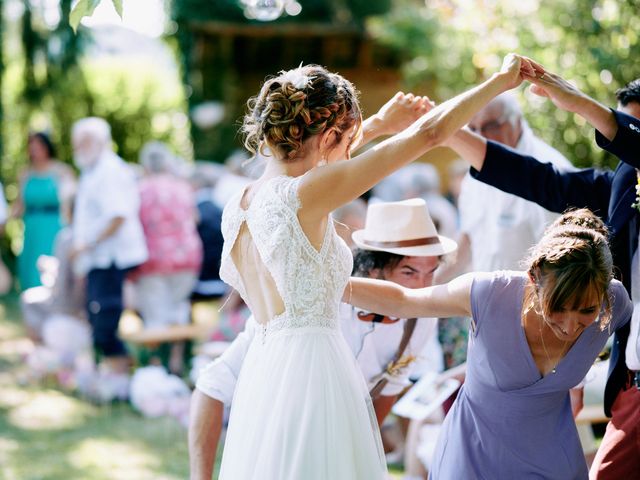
column 46, row 434
column 114, row 444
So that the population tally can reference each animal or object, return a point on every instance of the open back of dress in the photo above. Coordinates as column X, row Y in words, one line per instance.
column 263, row 297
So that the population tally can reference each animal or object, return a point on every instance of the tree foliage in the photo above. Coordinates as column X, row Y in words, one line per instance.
column 50, row 82
column 452, row 44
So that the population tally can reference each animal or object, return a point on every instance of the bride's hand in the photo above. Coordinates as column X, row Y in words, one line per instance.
column 401, row 111
column 515, row 68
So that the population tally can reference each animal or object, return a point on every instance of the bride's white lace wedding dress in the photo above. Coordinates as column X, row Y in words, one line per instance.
column 301, row 410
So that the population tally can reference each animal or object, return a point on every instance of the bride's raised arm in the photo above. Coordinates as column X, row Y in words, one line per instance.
column 388, row 298
column 397, row 114
column 324, row 189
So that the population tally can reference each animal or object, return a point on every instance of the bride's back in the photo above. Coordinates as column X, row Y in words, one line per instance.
column 270, row 261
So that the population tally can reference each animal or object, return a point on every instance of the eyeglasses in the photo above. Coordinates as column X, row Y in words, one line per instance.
column 490, row 126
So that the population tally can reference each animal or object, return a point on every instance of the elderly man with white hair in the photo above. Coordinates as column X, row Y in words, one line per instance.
column 107, row 234
column 499, row 227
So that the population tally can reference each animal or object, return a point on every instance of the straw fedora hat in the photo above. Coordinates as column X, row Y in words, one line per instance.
column 404, row 228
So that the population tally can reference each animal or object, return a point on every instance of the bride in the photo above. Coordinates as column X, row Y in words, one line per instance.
column 301, row 410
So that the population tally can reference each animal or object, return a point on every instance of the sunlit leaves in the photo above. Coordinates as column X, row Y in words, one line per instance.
column 85, row 8
column 117, row 4
column 459, row 42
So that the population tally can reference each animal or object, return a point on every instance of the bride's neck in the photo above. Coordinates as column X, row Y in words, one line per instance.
column 295, row 168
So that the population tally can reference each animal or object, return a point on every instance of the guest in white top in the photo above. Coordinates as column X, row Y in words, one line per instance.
column 500, row 227
column 107, row 234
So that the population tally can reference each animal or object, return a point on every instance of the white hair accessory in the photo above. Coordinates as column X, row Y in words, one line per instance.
column 296, row 78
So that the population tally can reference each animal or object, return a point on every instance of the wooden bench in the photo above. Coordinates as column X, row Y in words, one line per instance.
column 204, row 316
column 174, row 333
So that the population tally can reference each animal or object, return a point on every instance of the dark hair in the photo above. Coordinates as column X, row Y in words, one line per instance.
column 571, row 262
column 44, row 138
column 629, row 93
column 296, row 105
column 364, row 261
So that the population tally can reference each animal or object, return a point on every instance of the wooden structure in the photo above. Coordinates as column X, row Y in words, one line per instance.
column 226, row 58
column 227, row 62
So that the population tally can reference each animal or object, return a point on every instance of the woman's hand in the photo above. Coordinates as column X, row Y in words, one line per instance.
column 557, row 89
column 401, row 111
column 515, row 68
column 566, row 96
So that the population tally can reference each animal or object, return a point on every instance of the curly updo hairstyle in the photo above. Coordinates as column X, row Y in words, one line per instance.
column 572, row 263
column 296, row 105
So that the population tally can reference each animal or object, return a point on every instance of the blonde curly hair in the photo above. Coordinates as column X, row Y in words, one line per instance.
column 296, row 105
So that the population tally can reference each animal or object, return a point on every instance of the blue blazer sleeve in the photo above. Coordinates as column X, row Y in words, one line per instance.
column 626, row 144
column 543, row 183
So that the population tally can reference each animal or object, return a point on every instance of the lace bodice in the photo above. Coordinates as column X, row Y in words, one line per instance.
column 310, row 282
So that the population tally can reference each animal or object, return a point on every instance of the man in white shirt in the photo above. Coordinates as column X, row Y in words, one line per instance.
column 107, row 234
column 399, row 243
column 499, row 227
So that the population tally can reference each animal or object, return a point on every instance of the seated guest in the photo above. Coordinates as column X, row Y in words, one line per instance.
column 62, row 293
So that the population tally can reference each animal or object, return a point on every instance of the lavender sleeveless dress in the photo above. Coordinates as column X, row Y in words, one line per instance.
column 508, row 421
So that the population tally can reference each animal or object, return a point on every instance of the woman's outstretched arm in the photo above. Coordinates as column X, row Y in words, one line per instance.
column 322, row 190
column 567, row 97
column 388, row 298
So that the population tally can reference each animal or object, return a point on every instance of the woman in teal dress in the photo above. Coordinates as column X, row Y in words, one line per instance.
column 44, row 188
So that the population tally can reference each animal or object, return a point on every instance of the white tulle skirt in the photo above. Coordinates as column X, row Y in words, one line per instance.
column 301, row 411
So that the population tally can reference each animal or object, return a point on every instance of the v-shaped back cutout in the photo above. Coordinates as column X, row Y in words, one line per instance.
column 263, row 296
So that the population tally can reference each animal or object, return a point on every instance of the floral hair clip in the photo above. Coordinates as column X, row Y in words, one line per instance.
column 296, row 78
column 636, row 204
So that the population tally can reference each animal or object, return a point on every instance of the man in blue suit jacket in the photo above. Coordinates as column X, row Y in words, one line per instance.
column 611, row 195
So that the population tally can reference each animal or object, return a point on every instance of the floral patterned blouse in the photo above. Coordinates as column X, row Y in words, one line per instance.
column 168, row 216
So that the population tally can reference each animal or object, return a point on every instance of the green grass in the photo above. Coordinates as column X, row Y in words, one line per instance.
column 48, row 434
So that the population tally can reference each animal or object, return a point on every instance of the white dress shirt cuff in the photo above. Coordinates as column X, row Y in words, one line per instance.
column 217, row 381
column 632, row 353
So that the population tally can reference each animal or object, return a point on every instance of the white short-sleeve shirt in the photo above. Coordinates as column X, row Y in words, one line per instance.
column 632, row 352
column 501, row 226
column 106, row 191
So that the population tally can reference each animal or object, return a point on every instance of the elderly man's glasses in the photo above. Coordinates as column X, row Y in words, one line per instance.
column 490, row 126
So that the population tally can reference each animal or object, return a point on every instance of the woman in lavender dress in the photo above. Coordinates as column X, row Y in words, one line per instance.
column 534, row 336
